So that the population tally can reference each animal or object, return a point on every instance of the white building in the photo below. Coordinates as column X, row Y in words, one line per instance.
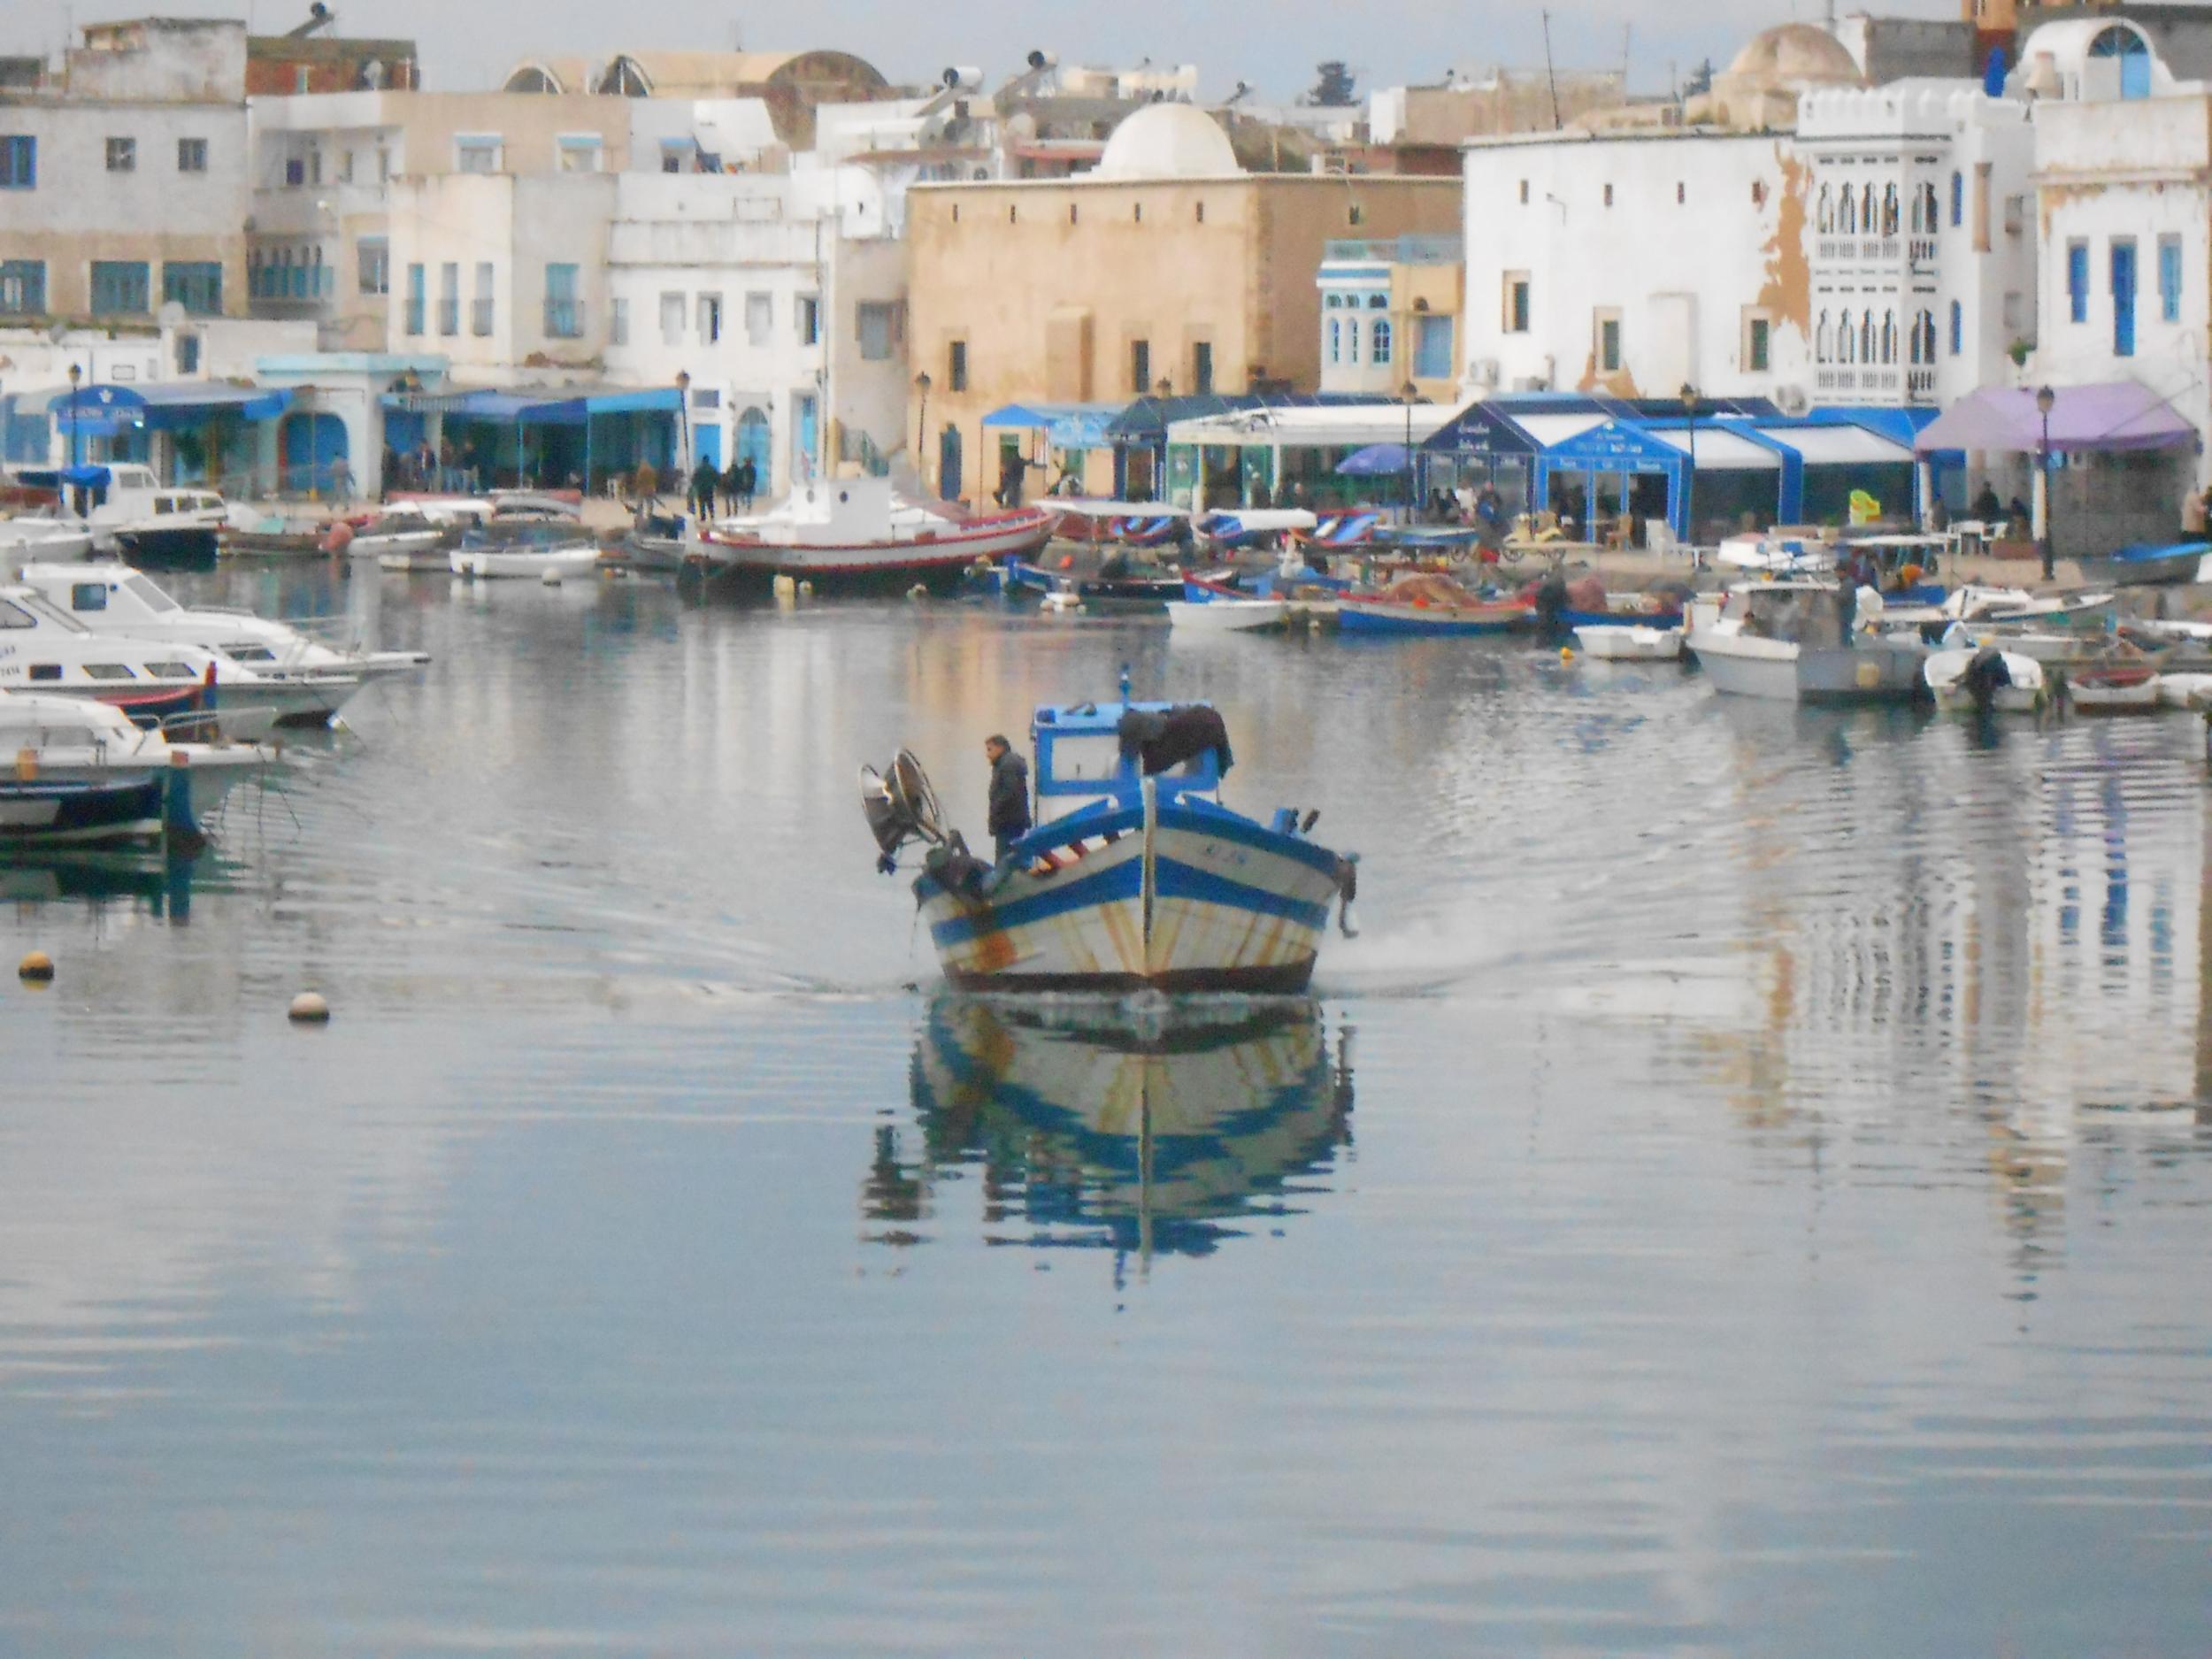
column 1921, row 245
column 1797, row 237
column 781, row 297
column 2123, row 184
column 123, row 184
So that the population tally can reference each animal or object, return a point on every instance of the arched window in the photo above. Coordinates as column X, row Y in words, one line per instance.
column 1380, row 354
column 2119, row 65
column 1929, row 213
column 1868, row 338
column 1336, row 339
column 1889, row 210
column 1849, row 222
column 1846, row 342
column 1826, row 220
column 1916, row 213
column 1958, row 200
column 1825, row 341
column 1889, row 336
column 1958, row 328
column 1351, row 340
column 1867, row 221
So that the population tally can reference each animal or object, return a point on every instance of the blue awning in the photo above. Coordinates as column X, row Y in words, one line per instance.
column 1481, row 428
column 666, row 399
column 1065, row 425
column 157, row 406
column 53, row 478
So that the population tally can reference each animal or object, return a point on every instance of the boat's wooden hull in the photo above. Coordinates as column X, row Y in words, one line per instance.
column 1184, row 899
column 1383, row 616
column 939, row 563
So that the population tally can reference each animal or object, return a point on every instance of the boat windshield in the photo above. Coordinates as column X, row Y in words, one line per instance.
column 39, row 614
column 149, row 596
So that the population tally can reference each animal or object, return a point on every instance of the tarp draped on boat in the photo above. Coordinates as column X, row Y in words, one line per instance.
column 2115, row 415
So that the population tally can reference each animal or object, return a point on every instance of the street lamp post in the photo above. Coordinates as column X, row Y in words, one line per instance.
column 1689, row 480
column 74, row 375
column 921, row 429
column 1406, row 393
column 2044, row 398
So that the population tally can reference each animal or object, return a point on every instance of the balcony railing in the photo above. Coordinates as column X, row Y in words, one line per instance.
column 480, row 318
column 564, row 320
column 449, row 317
column 288, row 282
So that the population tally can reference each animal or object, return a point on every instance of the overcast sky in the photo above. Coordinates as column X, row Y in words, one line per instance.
column 1274, row 44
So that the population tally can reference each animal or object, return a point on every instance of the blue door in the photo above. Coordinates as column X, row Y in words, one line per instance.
column 803, row 448
column 2122, row 299
column 752, row 445
column 708, row 439
column 307, row 444
column 948, row 463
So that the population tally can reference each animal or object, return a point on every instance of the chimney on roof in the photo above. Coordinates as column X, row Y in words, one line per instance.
column 319, row 17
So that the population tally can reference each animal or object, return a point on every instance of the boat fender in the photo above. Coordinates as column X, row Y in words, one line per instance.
column 1313, row 816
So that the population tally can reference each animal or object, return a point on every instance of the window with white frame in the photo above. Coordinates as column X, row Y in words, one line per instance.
column 671, row 320
column 619, row 320
column 760, row 317
column 810, row 320
column 122, row 155
column 476, row 152
column 710, row 318
column 579, row 152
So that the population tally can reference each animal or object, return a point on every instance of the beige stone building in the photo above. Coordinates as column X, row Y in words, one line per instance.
column 1168, row 264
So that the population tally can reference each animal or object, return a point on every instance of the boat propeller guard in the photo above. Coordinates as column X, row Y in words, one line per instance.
column 900, row 807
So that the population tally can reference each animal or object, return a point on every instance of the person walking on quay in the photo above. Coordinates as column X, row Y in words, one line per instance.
column 1012, row 469
column 703, row 480
column 1009, row 819
column 728, row 487
column 748, row 483
column 341, row 484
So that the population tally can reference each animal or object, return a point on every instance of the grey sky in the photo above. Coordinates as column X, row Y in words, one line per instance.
column 1275, row 45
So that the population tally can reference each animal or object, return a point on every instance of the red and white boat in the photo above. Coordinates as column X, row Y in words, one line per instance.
column 857, row 534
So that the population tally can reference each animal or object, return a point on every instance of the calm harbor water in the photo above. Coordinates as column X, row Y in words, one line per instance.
column 1745, row 1190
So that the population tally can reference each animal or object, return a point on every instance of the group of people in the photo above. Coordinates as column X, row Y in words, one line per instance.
column 733, row 485
column 426, row 469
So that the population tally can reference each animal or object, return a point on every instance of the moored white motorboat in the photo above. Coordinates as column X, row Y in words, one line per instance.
column 1135, row 876
column 1966, row 679
column 857, row 534
column 109, row 597
column 1612, row 642
column 1787, row 640
column 53, row 540
column 558, row 555
column 2184, row 691
column 1226, row 615
column 83, row 775
column 129, row 511
column 45, row 650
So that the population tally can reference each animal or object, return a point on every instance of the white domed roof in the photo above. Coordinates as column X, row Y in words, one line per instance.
column 1794, row 53
column 1168, row 140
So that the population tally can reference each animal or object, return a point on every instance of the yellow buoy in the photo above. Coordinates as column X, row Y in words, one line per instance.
column 309, row 1008
column 1566, row 653
column 37, row 968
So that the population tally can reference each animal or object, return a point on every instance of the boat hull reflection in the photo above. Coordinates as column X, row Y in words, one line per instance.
column 1161, row 1131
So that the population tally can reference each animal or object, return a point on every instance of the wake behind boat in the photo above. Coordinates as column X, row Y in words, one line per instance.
column 857, row 534
column 1136, row 878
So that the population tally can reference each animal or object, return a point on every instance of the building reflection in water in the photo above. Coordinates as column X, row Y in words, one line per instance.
column 1090, row 1128
column 2007, row 924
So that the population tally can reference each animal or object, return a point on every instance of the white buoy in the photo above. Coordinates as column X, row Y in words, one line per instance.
column 806, row 590
column 918, row 592
column 551, row 578
column 309, row 1008
column 783, row 586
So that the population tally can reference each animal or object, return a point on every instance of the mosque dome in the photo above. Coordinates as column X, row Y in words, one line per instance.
column 1168, row 140
column 1794, row 54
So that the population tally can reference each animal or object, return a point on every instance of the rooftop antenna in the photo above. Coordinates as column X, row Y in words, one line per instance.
column 1551, row 75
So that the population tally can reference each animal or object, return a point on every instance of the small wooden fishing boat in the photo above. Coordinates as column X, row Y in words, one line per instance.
column 1430, row 604
column 2113, row 688
column 2146, row 564
column 1226, row 615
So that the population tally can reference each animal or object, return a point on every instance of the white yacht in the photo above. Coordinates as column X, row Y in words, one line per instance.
column 109, row 597
column 84, row 776
column 131, row 512
column 1791, row 640
column 46, row 650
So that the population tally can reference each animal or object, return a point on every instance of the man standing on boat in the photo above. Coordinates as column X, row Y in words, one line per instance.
column 1009, row 819
column 704, row 481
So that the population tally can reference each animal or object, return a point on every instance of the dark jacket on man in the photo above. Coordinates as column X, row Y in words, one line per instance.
column 1010, row 799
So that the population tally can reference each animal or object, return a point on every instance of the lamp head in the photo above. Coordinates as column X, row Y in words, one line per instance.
column 2044, row 398
column 1409, row 391
column 1689, row 395
column 683, row 380
column 75, row 375
column 921, row 380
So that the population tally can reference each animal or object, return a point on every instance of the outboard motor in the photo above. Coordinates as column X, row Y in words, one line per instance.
column 900, row 807
column 1551, row 604
column 1984, row 675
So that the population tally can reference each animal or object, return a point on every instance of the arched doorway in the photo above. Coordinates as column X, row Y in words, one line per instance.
column 752, row 445
column 2119, row 65
column 309, row 441
column 948, row 463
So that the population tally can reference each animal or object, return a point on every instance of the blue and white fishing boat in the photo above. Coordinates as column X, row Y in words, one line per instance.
column 1136, row 876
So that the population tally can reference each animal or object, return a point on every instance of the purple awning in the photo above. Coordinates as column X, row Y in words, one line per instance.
column 2119, row 415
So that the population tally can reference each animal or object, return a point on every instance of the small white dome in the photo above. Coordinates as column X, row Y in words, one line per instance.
column 1168, row 140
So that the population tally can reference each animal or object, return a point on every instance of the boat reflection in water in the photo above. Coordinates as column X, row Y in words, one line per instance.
column 1167, row 1130
column 161, row 884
